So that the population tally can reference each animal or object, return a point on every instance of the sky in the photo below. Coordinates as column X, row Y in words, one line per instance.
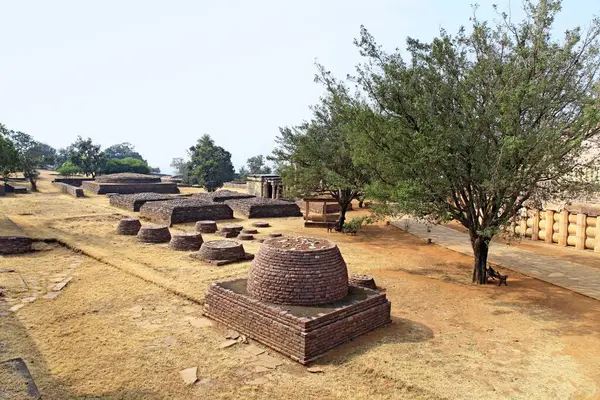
column 160, row 74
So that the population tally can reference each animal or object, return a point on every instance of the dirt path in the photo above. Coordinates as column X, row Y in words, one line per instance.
column 111, row 334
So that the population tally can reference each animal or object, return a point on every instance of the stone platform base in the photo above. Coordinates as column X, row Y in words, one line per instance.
column 302, row 332
column 218, row 263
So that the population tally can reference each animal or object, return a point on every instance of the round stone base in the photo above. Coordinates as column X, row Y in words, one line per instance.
column 154, row 234
column 129, row 226
column 261, row 224
column 221, row 250
column 245, row 236
column 187, row 241
column 206, row 226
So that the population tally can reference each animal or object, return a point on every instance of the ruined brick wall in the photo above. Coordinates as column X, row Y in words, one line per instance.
column 69, row 189
column 302, row 338
column 133, row 202
column 129, row 188
column 258, row 207
column 222, row 195
column 72, row 181
column 296, row 270
column 184, row 210
column 15, row 244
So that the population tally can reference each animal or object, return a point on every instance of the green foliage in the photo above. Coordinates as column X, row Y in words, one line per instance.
column 115, row 166
column 121, row 151
column 69, row 169
column 316, row 156
column 242, row 173
column 474, row 125
column 30, row 156
column 87, row 156
column 257, row 165
column 210, row 165
column 355, row 224
column 181, row 167
column 9, row 159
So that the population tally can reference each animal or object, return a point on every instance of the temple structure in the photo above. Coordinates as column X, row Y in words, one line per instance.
column 265, row 185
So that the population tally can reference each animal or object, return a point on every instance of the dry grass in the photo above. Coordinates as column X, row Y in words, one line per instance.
column 121, row 328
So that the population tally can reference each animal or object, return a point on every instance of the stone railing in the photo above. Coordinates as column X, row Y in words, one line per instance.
column 573, row 226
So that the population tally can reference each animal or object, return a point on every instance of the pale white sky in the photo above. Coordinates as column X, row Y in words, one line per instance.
column 159, row 74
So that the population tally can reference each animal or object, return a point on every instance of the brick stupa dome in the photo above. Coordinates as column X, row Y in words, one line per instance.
column 298, row 271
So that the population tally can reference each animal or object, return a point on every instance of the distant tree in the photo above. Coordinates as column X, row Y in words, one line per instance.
column 210, row 165
column 68, row 169
column 9, row 159
column 121, row 151
column 475, row 125
column 257, row 165
column 181, row 167
column 316, row 156
column 243, row 173
column 63, row 155
column 30, row 156
column 117, row 166
column 48, row 155
column 87, row 156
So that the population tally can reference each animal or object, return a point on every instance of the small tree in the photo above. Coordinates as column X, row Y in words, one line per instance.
column 180, row 166
column 87, row 156
column 9, row 159
column 210, row 165
column 68, row 169
column 316, row 157
column 257, row 165
column 128, row 164
column 30, row 156
column 475, row 125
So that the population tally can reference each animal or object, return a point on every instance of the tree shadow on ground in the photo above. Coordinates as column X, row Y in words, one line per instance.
column 401, row 330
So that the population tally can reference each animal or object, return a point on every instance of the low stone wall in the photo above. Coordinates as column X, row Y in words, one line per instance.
column 222, row 195
column 15, row 244
column 258, row 207
column 12, row 238
column 129, row 188
column 69, row 189
column 184, row 210
column 2, row 190
column 9, row 188
column 303, row 333
column 72, row 181
column 133, row 202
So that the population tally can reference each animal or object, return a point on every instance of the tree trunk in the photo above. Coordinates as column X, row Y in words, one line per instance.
column 33, row 184
column 361, row 201
column 342, row 219
column 480, row 253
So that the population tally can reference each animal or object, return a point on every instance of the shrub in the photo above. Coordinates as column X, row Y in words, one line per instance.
column 355, row 224
column 69, row 169
column 129, row 164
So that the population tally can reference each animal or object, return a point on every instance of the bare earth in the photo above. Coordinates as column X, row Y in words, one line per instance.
column 131, row 318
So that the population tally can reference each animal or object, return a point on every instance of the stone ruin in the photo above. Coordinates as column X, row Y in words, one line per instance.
column 133, row 202
column 258, row 207
column 222, row 195
column 186, row 241
column 230, row 231
column 184, row 210
column 154, row 234
column 12, row 238
column 363, row 281
column 297, row 300
column 206, row 226
column 222, row 252
column 128, row 183
column 129, row 226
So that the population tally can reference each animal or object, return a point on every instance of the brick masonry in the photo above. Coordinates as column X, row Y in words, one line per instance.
column 187, row 241
column 299, row 271
column 72, row 181
column 154, row 234
column 221, row 250
column 15, row 244
column 303, row 333
column 258, row 207
column 222, row 195
column 184, row 210
column 133, row 202
column 362, row 281
column 69, row 189
column 129, row 188
column 129, row 226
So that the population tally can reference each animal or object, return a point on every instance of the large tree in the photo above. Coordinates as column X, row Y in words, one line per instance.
column 472, row 126
column 210, row 165
column 316, row 156
column 121, row 151
column 87, row 156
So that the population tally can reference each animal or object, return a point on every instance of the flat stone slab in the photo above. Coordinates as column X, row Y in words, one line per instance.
column 189, row 375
